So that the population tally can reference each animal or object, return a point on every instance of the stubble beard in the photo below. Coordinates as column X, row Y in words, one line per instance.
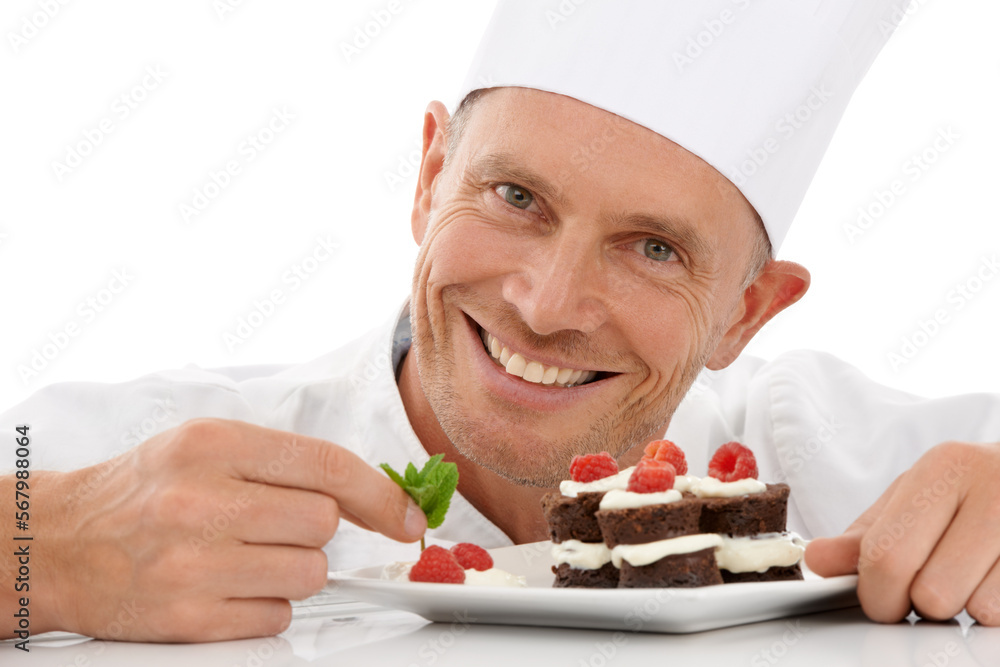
column 482, row 440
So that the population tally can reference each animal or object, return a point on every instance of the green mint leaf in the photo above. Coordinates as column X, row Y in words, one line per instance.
column 431, row 488
column 393, row 475
column 412, row 476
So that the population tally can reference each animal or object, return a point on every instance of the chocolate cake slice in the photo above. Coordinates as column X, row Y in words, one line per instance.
column 657, row 545
column 582, row 559
column 761, row 550
column 572, row 518
column 775, row 573
column 746, row 514
column 692, row 569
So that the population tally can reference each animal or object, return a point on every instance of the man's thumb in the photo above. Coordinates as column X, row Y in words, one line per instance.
column 833, row 556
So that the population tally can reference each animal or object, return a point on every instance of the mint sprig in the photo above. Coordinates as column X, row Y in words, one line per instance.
column 431, row 488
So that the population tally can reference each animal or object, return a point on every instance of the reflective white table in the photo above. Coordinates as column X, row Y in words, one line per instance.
column 360, row 634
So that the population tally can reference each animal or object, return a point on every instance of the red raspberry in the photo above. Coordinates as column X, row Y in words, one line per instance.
column 439, row 565
column 732, row 462
column 664, row 450
column 651, row 476
column 472, row 556
column 591, row 467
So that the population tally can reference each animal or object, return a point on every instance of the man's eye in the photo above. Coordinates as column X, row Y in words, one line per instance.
column 656, row 250
column 515, row 196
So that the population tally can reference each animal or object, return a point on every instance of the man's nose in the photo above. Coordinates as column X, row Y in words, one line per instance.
column 560, row 287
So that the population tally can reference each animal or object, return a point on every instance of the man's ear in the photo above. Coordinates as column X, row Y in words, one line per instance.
column 777, row 287
column 435, row 147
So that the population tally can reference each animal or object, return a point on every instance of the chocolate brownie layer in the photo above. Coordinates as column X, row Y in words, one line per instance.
column 639, row 525
column 750, row 514
column 572, row 518
column 605, row 576
column 690, row 570
column 789, row 573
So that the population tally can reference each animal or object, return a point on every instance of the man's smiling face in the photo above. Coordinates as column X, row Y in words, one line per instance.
column 576, row 271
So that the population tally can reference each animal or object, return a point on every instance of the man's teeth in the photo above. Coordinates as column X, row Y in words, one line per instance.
column 533, row 371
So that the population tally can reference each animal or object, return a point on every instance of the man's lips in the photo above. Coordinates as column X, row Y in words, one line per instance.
column 528, row 395
column 523, row 366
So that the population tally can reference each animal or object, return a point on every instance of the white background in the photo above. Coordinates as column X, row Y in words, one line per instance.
column 357, row 121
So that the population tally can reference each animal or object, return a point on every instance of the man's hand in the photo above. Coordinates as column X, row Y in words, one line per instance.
column 931, row 542
column 202, row 533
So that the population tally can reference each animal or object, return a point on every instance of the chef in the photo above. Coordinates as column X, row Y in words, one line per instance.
column 598, row 223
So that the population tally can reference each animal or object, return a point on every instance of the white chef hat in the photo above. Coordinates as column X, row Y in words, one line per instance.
column 755, row 88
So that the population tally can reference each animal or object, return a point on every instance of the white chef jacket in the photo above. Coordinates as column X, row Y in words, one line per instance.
column 813, row 421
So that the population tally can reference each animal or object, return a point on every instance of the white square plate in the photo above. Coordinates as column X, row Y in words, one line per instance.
column 669, row 610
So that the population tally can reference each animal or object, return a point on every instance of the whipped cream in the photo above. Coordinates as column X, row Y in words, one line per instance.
column 494, row 577
column 758, row 553
column 581, row 555
column 685, row 482
column 638, row 555
column 400, row 571
column 570, row 489
column 709, row 487
column 620, row 499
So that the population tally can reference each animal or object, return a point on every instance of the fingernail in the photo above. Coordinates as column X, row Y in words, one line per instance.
column 415, row 523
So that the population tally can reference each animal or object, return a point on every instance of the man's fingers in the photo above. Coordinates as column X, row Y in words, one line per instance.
column 262, row 571
column 961, row 561
column 902, row 539
column 297, row 461
column 265, row 514
column 834, row 556
column 246, row 618
column 344, row 514
column 984, row 605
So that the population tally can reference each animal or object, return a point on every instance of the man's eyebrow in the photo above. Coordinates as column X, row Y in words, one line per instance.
column 500, row 166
